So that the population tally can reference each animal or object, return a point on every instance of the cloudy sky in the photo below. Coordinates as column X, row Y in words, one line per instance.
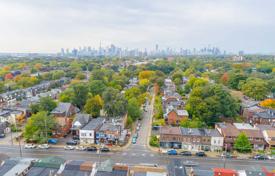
column 48, row 25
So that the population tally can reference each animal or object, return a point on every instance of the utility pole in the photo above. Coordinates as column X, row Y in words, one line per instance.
column 224, row 157
column 19, row 142
column 11, row 135
column 46, row 131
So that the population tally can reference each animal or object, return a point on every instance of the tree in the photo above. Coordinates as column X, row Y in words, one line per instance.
column 47, row 104
column 97, row 87
column 94, row 105
column 158, row 111
column 147, row 74
column 235, row 79
column 80, row 94
column 114, row 103
column 242, row 143
column 66, row 96
column 210, row 102
column 255, row 88
column 268, row 103
column 2, row 87
column 154, row 141
column 133, row 109
column 39, row 126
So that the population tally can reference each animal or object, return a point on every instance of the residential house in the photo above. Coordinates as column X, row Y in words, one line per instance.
column 108, row 168
column 229, row 133
column 4, row 128
column 21, row 167
column 76, row 168
column 79, row 121
column 216, row 140
column 64, row 113
column 88, row 132
column 192, row 139
column 7, row 165
column 141, row 170
column 249, row 112
column 266, row 117
column 170, row 137
column 46, row 166
column 269, row 136
column 254, row 135
column 11, row 116
column 109, row 133
column 174, row 117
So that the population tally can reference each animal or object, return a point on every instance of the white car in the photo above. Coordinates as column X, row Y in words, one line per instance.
column 30, row 146
column 69, row 147
column 271, row 157
column 44, row 146
column 81, row 148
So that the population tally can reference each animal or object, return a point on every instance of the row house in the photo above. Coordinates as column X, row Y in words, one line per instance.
column 79, row 122
column 109, row 134
column 64, row 113
column 174, row 117
column 268, row 132
column 191, row 139
column 266, row 117
column 87, row 134
column 231, row 131
column 12, row 116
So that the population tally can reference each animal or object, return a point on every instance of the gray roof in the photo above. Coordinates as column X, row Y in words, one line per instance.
column 190, row 131
column 75, row 173
column 202, row 172
column 94, row 124
column 62, row 108
column 112, row 173
column 8, row 165
column 41, row 171
column 266, row 114
column 109, row 127
column 83, row 119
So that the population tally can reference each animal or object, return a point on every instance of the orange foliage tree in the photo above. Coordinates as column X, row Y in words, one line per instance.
column 268, row 103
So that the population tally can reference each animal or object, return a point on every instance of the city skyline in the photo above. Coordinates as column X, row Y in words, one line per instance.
column 33, row 26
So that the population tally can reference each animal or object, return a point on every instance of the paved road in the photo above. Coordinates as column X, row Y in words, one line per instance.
column 137, row 154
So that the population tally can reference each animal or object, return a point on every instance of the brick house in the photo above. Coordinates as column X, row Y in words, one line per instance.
column 64, row 113
column 109, row 133
column 175, row 116
column 170, row 137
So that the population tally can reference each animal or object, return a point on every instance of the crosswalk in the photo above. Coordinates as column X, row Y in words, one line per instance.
column 138, row 154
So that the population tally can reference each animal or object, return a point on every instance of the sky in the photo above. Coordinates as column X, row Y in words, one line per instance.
column 47, row 26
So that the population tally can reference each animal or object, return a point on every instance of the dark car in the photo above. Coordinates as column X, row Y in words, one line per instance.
column 2, row 135
column 104, row 149
column 260, row 157
column 186, row 153
column 91, row 149
column 200, row 154
column 76, row 138
column 72, row 142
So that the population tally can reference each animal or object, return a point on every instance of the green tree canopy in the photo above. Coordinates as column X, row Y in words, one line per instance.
column 114, row 102
column 80, row 94
column 255, row 88
column 39, row 126
column 133, row 108
column 97, row 87
column 242, row 143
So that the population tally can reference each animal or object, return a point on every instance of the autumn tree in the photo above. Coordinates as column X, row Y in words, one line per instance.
column 255, row 88
column 94, row 105
column 268, row 103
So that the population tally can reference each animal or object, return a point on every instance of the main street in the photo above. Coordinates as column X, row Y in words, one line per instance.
column 136, row 153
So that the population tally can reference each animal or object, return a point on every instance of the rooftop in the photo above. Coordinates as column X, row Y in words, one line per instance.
column 170, row 130
column 94, row 124
column 243, row 126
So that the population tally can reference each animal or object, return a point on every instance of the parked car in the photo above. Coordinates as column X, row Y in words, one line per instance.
column 30, row 146
column 260, row 157
column 72, row 142
column 75, row 137
column 172, row 152
column 104, row 149
column 81, row 148
column 92, row 149
column 200, row 154
column 52, row 141
column 44, row 146
column 2, row 135
column 134, row 140
column 226, row 155
column 69, row 147
column 186, row 153
column 190, row 163
column 271, row 157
